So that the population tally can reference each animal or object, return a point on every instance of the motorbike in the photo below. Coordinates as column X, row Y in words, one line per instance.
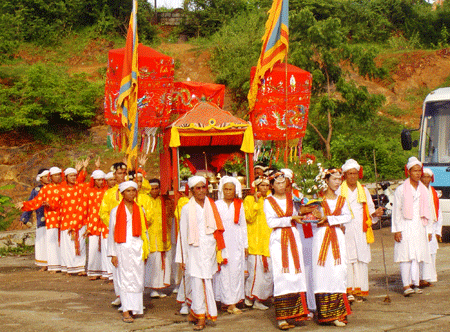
column 386, row 200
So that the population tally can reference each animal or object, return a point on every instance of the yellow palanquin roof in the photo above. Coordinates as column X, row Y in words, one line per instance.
column 208, row 124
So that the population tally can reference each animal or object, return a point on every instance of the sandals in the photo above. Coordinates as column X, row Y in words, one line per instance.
column 191, row 318
column 338, row 323
column 424, row 284
column 200, row 325
column 234, row 311
column 128, row 319
column 285, row 326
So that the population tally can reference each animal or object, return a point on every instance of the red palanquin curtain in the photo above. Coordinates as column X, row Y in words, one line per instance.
column 155, row 86
column 188, row 94
column 270, row 118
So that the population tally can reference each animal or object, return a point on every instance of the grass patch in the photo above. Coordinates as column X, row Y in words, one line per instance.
column 446, row 83
column 19, row 250
column 416, row 96
column 395, row 111
column 7, row 211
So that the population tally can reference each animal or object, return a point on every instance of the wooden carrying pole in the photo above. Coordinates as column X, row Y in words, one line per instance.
column 286, row 111
column 387, row 299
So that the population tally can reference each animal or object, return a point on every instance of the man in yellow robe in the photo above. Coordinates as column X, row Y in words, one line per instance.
column 158, row 266
column 259, row 284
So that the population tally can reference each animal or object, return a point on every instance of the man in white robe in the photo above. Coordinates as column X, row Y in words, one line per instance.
column 128, row 248
column 428, row 272
column 410, row 217
column 358, row 232
column 40, row 247
column 229, row 281
column 200, row 226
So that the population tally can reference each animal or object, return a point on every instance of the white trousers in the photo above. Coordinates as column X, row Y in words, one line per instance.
column 158, row 269
column 107, row 266
column 73, row 262
column 410, row 273
column 53, row 249
column 427, row 271
column 185, row 292
column 94, row 257
column 358, row 278
column 203, row 302
column 40, row 247
column 259, row 284
column 133, row 302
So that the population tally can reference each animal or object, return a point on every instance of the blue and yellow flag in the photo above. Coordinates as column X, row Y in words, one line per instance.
column 275, row 45
column 127, row 100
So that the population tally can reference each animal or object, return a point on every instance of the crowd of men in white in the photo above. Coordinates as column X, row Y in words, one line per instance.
column 310, row 258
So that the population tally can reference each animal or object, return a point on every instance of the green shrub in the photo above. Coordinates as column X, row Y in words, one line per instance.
column 235, row 49
column 47, row 95
column 7, row 211
column 205, row 17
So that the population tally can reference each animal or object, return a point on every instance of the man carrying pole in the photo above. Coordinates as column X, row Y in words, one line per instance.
column 358, row 232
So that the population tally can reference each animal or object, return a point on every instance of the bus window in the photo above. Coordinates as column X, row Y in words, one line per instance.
column 437, row 133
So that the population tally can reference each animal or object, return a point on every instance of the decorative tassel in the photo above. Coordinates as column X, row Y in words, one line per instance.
column 141, row 147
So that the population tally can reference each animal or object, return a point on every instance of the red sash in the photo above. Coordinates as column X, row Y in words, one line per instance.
column 435, row 201
column 120, row 229
column 287, row 235
column 237, row 209
column 330, row 234
column 218, row 234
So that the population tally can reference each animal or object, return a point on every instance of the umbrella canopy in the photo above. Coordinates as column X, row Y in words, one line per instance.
column 272, row 118
column 155, row 85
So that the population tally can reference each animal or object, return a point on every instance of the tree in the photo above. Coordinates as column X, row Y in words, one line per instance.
column 205, row 17
column 322, row 47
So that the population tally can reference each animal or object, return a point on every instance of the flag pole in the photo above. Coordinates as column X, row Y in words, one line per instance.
column 286, row 111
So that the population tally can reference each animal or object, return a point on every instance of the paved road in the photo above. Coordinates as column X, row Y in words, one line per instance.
column 36, row 301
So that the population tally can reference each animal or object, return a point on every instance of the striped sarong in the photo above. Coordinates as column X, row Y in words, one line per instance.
column 291, row 306
column 332, row 306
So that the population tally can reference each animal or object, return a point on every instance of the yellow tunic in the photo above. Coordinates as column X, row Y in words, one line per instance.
column 155, row 229
column 110, row 200
column 145, row 201
column 146, row 187
column 182, row 201
column 258, row 231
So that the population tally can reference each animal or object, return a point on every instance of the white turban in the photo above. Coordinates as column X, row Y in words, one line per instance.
column 412, row 161
column 349, row 164
column 428, row 171
column 55, row 170
column 229, row 179
column 288, row 173
column 98, row 174
column 193, row 180
column 261, row 167
column 259, row 180
column 127, row 184
column 43, row 173
column 109, row 175
column 70, row 170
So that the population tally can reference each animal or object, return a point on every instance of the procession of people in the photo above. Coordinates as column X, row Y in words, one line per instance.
column 307, row 259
